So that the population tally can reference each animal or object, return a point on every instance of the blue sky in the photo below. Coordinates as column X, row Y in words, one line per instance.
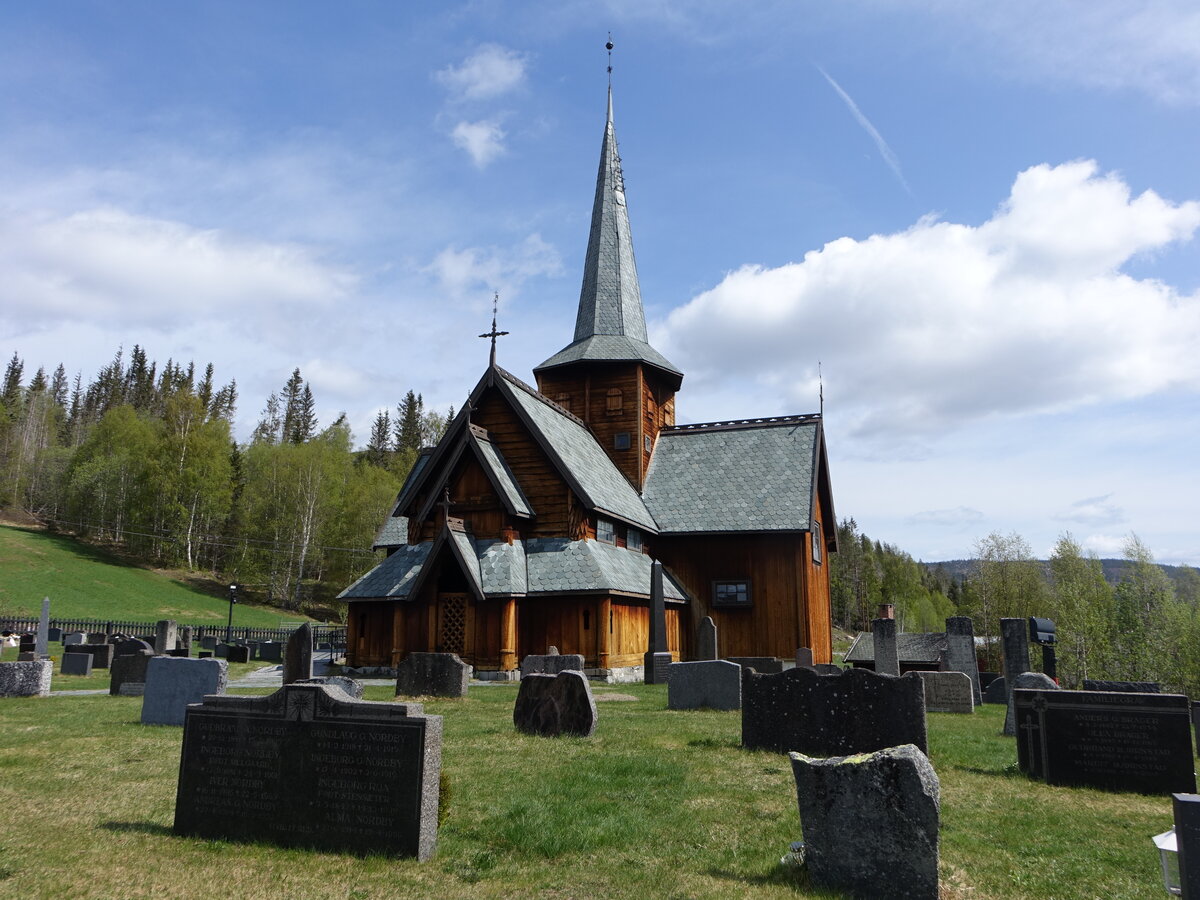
column 980, row 218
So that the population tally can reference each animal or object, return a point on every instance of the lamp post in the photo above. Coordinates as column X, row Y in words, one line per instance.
column 233, row 589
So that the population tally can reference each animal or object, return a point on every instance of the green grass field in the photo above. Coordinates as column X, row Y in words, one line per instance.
column 83, row 581
column 656, row 803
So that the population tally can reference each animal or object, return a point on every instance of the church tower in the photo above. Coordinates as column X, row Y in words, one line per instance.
column 609, row 375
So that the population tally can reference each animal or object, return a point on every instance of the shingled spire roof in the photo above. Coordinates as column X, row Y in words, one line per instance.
column 611, row 324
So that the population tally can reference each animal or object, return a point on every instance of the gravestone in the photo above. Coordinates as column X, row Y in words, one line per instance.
column 222, row 650
column 1014, row 633
column 1025, row 681
column 208, row 642
column 174, row 682
column 205, row 654
column 129, row 669
column 270, row 651
column 960, row 652
column 656, row 658
column 1123, row 687
column 179, row 651
column 131, row 646
column 71, row 638
column 871, row 823
column 164, row 636
column 552, row 650
column 706, row 639
column 858, row 711
column 256, row 768
column 433, row 675
column 76, row 664
column 185, row 640
column 1186, row 809
column 236, row 653
column 996, row 691
column 298, row 664
column 54, row 634
column 102, row 654
column 42, row 642
column 26, row 679
column 827, row 669
column 26, row 656
column 97, row 637
column 655, row 666
column 27, row 643
column 949, row 692
column 704, row 684
column 132, row 688
column 765, row 665
column 352, row 688
column 551, row 664
column 551, row 705
column 1114, row 741
column 883, row 640
column 804, row 658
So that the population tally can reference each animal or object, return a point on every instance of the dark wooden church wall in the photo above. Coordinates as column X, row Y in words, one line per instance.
column 368, row 632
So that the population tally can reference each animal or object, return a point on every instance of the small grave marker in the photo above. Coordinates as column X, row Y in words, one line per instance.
column 433, row 675
column 949, row 692
column 704, row 684
column 550, row 705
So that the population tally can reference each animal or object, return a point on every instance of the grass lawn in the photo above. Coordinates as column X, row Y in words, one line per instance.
column 656, row 803
column 83, row 581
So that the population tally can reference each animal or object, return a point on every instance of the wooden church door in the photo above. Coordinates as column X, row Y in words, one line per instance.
column 454, row 625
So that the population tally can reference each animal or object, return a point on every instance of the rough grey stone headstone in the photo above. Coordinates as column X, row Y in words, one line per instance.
column 706, row 639
column 298, row 661
column 172, row 682
column 551, row 663
column 1014, row 633
column 433, row 675
column 73, row 637
column 43, row 630
column 765, row 665
column 552, row 650
column 950, row 692
column 804, row 657
column 76, row 664
column 858, row 711
column 352, row 688
column 883, row 638
column 871, row 823
column 996, row 691
column 128, row 669
column 164, row 636
column 26, row 679
column 704, row 684
column 1032, row 681
column 185, row 640
column 960, row 651
column 551, row 705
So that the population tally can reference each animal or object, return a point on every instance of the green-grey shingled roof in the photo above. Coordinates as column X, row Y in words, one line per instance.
column 394, row 533
column 604, row 487
column 557, row 565
column 609, row 348
column 730, row 477
column 392, row 578
column 468, row 557
column 502, row 477
column 502, row 567
column 911, row 647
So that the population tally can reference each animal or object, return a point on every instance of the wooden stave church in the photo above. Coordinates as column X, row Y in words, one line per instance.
column 534, row 520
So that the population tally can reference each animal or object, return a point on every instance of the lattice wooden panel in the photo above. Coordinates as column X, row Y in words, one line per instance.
column 454, row 623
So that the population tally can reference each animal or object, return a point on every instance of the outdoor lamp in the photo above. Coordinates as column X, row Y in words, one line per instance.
column 1168, row 855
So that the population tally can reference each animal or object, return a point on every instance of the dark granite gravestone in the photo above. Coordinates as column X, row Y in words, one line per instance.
column 298, row 661
column 551, row 664
column 222, row 650
column 27, row 643
column 353, row 689
column 658, row 664
column 1014, row 633
column 71, row 638
column 236, row 653
column 97, row 637
column 270, row 651
column 1034, row 681
column 130, row 646
column 179, row 652
column 308, row 767
column 54, row 634
column 706, row 639
column 950, row 692
column 164, row 636
column 1114, row 741
column 871, row 823
column 857, row 711
column 26, row 656
column 76, row 664
column 28, row 678
column 42, row 640
column 1186, row 808
column 551, row 705
column 764, row 665
column 827, row 669
column 887, row 652
column 704, row 684
column 204, row 654
column 432, row 675
column 804, row 657
column 996, row 691
column 656, row 658
column 960, row 652
column 1123, row 687
column 208, row 642
column 128, row 669
column 102, row 654
column 174, row 682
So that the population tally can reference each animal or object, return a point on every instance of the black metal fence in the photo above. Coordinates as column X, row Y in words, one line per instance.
column 322, row 634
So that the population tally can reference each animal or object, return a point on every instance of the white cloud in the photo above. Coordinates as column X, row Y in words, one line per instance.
column 489, row 72
column 1093, row 511
column 923, row 330
column 1108, row 546
column 483, row 140
column 959, row 517
column 481, row 270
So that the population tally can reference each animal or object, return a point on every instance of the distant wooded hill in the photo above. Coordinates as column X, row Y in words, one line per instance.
column 1115, row 570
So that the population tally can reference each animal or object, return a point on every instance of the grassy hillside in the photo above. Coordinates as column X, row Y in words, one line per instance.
column 83, row 581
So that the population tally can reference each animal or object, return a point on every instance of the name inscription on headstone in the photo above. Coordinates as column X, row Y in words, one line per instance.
column 1116, row 741
column 303, row 772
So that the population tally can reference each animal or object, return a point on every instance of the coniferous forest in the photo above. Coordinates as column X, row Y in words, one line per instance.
column 142, row 458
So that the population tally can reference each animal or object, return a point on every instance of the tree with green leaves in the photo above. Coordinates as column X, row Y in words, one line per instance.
column 1081, row 605
column 410, row 413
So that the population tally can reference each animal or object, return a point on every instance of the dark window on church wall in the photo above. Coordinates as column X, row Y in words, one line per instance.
column 633, row 539
column 587, row 619
column 731, row 593
column 816, row 542
column 615, row 401
column 606, row 531
column 648, row 443
column 621, row 440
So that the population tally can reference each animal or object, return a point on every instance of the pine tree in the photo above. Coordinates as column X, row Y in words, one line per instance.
column 11, row 395
column 269, row 429
column 304, row 419
column 380, row 444
column 205, row 391
column 58, row 386
column 408, row 422
column 289, row 401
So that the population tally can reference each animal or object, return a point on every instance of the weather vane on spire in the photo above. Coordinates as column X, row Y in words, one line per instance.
column 608, row 46
column 493, row 334
column 821, row 388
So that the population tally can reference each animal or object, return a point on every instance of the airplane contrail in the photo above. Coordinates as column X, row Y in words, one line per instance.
column 885, row 151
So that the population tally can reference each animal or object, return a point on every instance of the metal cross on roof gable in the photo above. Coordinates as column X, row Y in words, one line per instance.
column 493, row 334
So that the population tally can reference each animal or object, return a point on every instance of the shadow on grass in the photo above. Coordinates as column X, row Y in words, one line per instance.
column 139, row 827
column 778, row 875
column 1012, row 770
column 715, row 743
column 82, row 549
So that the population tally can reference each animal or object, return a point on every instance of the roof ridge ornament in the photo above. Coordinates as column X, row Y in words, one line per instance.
column 493, row 334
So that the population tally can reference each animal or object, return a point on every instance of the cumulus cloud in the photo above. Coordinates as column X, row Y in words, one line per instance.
column 110, row 266
column 479, row 270
column 1094, row 511
column 489, row 72
column 923, row 330
column 483, row 140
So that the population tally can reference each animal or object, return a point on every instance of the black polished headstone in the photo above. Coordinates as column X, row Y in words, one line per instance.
column 1187, row 841
column 309, row 767
column 298, row 658
column 1114, row 741
column 238, row 654
column 129, row 668
column 1123, row 687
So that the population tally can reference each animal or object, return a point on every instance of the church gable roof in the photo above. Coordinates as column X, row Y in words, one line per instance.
column 500, row 474
column 395, row 577
column 750, row 476
column 394, row 533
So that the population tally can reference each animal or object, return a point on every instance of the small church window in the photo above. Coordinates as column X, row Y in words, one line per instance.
column 621, row 440
column 606, row 531
column 615, row 400
column 731, row 593
column 648, row 443
column 633, row 540
column 816, row 541
column 587, row 619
